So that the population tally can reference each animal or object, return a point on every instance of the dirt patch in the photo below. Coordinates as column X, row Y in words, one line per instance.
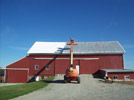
column 125, row 82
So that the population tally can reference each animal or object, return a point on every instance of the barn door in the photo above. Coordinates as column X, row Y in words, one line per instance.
column 16, row 76
column 77, row 67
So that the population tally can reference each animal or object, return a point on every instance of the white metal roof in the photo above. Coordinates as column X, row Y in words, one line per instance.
column 117, row 70
column 45, row 47
column 110, row 47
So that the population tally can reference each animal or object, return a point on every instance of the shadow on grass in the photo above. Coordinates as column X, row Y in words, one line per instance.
column 59, row 82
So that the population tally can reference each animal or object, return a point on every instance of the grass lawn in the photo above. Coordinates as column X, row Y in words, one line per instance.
column 9, row 92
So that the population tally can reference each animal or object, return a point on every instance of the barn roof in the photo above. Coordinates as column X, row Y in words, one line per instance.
column 109, row 47
column 117, row 70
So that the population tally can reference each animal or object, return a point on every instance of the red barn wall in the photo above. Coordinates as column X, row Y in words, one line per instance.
column 22, row 63
column 59, row 66
column 121, row 74
column 89, row 66
column 86, row 66
column 42, row 71
column 111, row 62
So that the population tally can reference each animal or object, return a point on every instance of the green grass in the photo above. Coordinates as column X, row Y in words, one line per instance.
column 9, row 92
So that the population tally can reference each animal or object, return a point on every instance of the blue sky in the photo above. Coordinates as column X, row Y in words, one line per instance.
column 22, row 22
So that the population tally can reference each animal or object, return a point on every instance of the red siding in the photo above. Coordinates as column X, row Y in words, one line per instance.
column 22, row 63
column 111, row 62
column 42, row 71
column 89, row 66
column 62, row 65
column 16, row 76
column 59, row 66
column 121, row 74
column 86, row 66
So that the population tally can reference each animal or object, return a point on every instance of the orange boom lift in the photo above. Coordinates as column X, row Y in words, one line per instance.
column 71, row 73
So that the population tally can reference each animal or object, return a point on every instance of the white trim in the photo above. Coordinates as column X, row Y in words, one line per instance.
column 66, row 58
column 117, row 70
column 123, row 62
column 28, row 76
column 35, row 67
column 121, row 47
column 16, row 68
column 44, row 58
column 106, row 74
column 4, row 75
column 126, row 76
column 78, row 68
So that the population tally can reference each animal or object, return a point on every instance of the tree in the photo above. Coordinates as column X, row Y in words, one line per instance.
column 1, row 72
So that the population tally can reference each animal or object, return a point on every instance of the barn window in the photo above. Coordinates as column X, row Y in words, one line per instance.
column 47, row 67
column 115, row 77
column 127, row 77
column 36, row 67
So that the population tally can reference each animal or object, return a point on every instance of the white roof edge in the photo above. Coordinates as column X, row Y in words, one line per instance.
column 73, row 53
column 48, row 42
column 15, row 68
column 118, row 70
column 121, row 46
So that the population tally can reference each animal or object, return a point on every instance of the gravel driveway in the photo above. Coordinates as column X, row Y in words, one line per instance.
column 88, row 89
column 7, row 84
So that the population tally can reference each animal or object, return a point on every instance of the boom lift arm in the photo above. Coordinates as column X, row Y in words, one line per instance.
column 71, row 73
column 71, row 52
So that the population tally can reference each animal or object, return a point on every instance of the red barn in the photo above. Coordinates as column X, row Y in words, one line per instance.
column 51, row 58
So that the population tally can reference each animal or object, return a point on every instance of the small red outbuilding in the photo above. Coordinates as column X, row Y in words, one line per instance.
column 16, row 75
column 118, row 74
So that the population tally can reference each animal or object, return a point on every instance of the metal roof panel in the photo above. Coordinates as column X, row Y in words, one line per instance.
column 110, row 47
column 117, row 70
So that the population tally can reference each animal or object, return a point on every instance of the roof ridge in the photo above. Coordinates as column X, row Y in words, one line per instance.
column 78, row 42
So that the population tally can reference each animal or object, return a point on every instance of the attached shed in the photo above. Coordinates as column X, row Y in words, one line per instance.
column 51, row 58
column 118, row 74
column 16, row 75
